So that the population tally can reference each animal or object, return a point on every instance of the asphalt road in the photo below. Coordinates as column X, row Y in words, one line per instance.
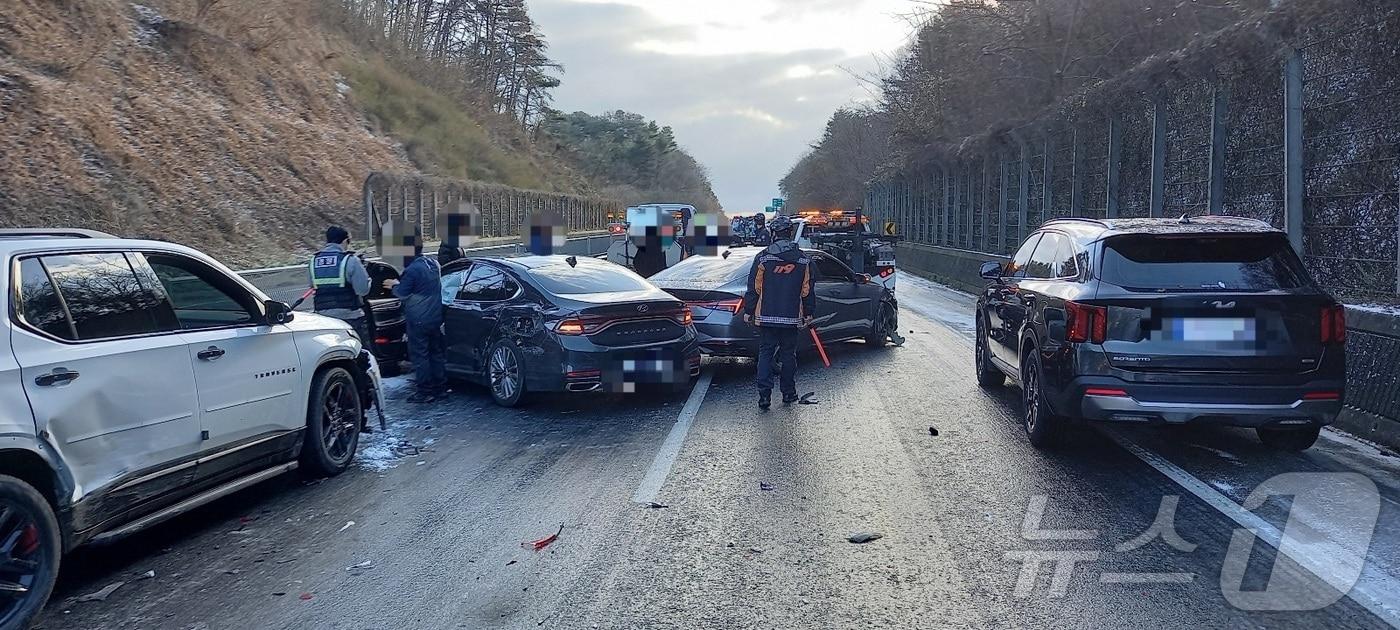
column 427, row 529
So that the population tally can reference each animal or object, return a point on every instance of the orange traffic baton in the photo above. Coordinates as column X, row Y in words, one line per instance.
column 820, row 349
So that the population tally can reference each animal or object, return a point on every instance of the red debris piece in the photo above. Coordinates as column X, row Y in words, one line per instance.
column 306, row 596
column 544, row 542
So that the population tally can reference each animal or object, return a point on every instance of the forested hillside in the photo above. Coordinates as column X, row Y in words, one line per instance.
column 635, row 159
column 240, row 126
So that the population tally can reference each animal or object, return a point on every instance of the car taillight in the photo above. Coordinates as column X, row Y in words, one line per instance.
column 1085, row 323
column 569, row 327
column 1323, row 395
column 1333, row 324
column 687, row 317
column 731, row 306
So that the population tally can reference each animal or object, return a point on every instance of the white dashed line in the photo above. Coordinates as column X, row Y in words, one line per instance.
column 671, row 448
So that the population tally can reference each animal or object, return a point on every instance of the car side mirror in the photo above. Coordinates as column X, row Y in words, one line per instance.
column 862, row 278
column 991, row 270
column 277, row 312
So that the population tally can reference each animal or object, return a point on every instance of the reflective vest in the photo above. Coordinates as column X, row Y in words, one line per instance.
column 328, row 278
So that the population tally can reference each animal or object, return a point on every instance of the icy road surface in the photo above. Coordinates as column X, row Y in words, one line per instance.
column 426, row 530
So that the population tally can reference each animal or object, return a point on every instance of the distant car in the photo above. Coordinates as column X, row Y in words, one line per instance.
column 563, row 324
column 1204, row 320
column 849, row 306
column 143, row 379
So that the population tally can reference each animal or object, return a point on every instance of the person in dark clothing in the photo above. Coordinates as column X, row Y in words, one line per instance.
column 448, row 253
column 341, row 281
column 650, row 258
column 420, row 290
column 781, row 303
column 762, row 234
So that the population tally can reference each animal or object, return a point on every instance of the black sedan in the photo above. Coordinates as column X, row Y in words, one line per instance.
column 849, row 305
column 561, row 323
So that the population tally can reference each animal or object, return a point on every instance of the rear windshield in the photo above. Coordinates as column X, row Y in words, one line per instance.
column 1231, row 263
column 587, row 278
column 707, row 269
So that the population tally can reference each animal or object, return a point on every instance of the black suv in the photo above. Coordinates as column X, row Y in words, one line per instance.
column 1163, row 321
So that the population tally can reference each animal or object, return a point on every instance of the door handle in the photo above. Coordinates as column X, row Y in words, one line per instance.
column 59, row 376
column 211, row 353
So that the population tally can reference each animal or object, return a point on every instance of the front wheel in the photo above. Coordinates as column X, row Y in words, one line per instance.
column 30, row 550
column 505, row 372
column 988, row 375
column 333, row 421
column 883, row 325
column 1288, row 439
column 1044, row 429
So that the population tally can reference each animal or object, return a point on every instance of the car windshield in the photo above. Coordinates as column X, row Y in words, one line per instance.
column 561, row 279
column 1231, row 263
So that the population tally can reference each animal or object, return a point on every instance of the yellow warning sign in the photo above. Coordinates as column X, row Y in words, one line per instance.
column 890, row 228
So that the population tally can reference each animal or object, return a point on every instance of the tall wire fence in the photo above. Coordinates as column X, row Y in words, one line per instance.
column 504, row 210
column 1295, row 122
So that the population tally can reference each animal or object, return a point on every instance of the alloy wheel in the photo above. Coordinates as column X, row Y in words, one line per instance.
column 338, row 418
column 505, row 373
column 1032, row 397
column 22, row 560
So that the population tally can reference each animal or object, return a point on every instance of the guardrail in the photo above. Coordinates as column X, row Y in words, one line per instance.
column 1373, row 342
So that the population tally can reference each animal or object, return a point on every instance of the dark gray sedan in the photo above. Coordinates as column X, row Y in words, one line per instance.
column 849, row 305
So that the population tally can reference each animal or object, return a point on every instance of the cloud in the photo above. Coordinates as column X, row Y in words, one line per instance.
column 746, row 112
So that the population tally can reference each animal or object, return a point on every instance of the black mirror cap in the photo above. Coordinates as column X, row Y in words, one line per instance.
column 862, row 278
column 278, row 312
column 991, row 270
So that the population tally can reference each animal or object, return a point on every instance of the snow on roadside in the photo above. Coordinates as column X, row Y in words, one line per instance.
column 1384, row 309
column 385, row 448
column 934, row 301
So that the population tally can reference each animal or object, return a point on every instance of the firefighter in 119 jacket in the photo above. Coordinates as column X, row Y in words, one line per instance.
column 781, row 303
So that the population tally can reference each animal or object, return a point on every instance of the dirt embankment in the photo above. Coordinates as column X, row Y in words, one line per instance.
column 223, row 124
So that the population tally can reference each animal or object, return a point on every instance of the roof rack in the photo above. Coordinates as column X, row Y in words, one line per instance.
column 1209, row 218
column 52, row 233
column 1076, row 220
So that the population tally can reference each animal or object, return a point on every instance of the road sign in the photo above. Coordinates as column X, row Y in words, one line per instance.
column 777, row 202
column 769, row 209
column 891, row 229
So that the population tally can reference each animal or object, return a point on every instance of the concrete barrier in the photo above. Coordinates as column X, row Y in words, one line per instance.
column 1373, row 342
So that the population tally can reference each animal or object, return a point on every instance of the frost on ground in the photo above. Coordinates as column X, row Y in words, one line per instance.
column 1384, row 309
column 404, row 437
column 934, row 301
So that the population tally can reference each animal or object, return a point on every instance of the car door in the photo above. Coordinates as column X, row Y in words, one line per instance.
column 1033, row 291
column 246, row 371
column 1003, row 305
column 108, row 378
column 852, row 301
column 474, row 311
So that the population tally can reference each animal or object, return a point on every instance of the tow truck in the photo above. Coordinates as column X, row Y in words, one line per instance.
column 846, row 235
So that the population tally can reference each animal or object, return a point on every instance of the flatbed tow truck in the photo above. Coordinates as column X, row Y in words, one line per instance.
column 846, row 235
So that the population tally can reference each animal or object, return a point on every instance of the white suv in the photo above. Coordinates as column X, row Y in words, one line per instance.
column 141, row 379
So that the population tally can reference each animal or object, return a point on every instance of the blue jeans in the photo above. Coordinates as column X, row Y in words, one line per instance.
column 427, row 349
column 778, row 344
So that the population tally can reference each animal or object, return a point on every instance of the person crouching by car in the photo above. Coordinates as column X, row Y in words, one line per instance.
column 780, row 302
column 420, row 290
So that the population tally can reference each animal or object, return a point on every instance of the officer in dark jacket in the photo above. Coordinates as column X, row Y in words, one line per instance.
column 781, row 303
column 420, row 290
column 340, row 280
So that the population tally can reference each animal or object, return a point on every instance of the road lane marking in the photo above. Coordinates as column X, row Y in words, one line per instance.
column 1375, row 590
column 671, row 448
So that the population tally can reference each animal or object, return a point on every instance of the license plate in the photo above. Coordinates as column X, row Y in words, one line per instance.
column 1213, row 329
column 884, row 263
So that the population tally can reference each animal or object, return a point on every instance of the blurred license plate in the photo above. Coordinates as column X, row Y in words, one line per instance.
column 1213, row 329
column 884, row 263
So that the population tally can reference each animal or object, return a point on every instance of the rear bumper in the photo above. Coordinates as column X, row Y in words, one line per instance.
column 1210, row 404
column 674, row 363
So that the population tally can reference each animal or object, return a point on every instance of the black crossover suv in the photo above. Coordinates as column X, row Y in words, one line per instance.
column 1163, row 321
column 561, row 323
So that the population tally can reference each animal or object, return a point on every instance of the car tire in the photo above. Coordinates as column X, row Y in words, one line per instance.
column 1044, row 429
column 32, row 532
column 505, row 374
column 882, row 326
column 988, row 375
column 333, row 419
column 1294, row 440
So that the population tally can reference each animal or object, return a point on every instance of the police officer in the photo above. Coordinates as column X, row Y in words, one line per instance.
column 781, row 303
column 763, row 234
column 341, row 281
column 420, row 290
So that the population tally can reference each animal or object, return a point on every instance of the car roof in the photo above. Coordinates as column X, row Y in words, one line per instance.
column 1087, row 229
column 536, row 262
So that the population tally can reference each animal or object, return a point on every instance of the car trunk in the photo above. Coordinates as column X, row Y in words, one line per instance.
column 1235, row 304
column 620, row 320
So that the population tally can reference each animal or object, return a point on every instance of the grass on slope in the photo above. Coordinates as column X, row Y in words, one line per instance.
column 441, row 138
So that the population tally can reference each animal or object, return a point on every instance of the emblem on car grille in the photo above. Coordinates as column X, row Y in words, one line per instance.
column 642, row 308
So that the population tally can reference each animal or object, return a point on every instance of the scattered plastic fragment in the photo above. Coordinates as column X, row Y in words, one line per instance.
column 656, row 506
column 544, row 542
column 765, row 486
column 346, row 526
column 306, row 596
column 279, row 593
column 860, row 538
column 367, row 564
column 147, row 575
column 755, row 550
column 102, row 595
column 511, row 562
column 933, row 431
column 806, row 399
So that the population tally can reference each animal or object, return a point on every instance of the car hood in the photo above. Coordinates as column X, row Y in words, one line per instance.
column 311, row 322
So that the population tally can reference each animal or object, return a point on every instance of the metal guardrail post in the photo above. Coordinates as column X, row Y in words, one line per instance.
column 1219, row 109
column 985, row 245
column 1001, row 201
column 1024, row 194
column 1293, row 149
column 1114, row 166
column 1159, row 157
column 943, row 215
column 955, row 230
column 1076, row 174
column 1047, row 187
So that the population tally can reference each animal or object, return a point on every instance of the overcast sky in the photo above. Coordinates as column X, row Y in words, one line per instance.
column 747, row 85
